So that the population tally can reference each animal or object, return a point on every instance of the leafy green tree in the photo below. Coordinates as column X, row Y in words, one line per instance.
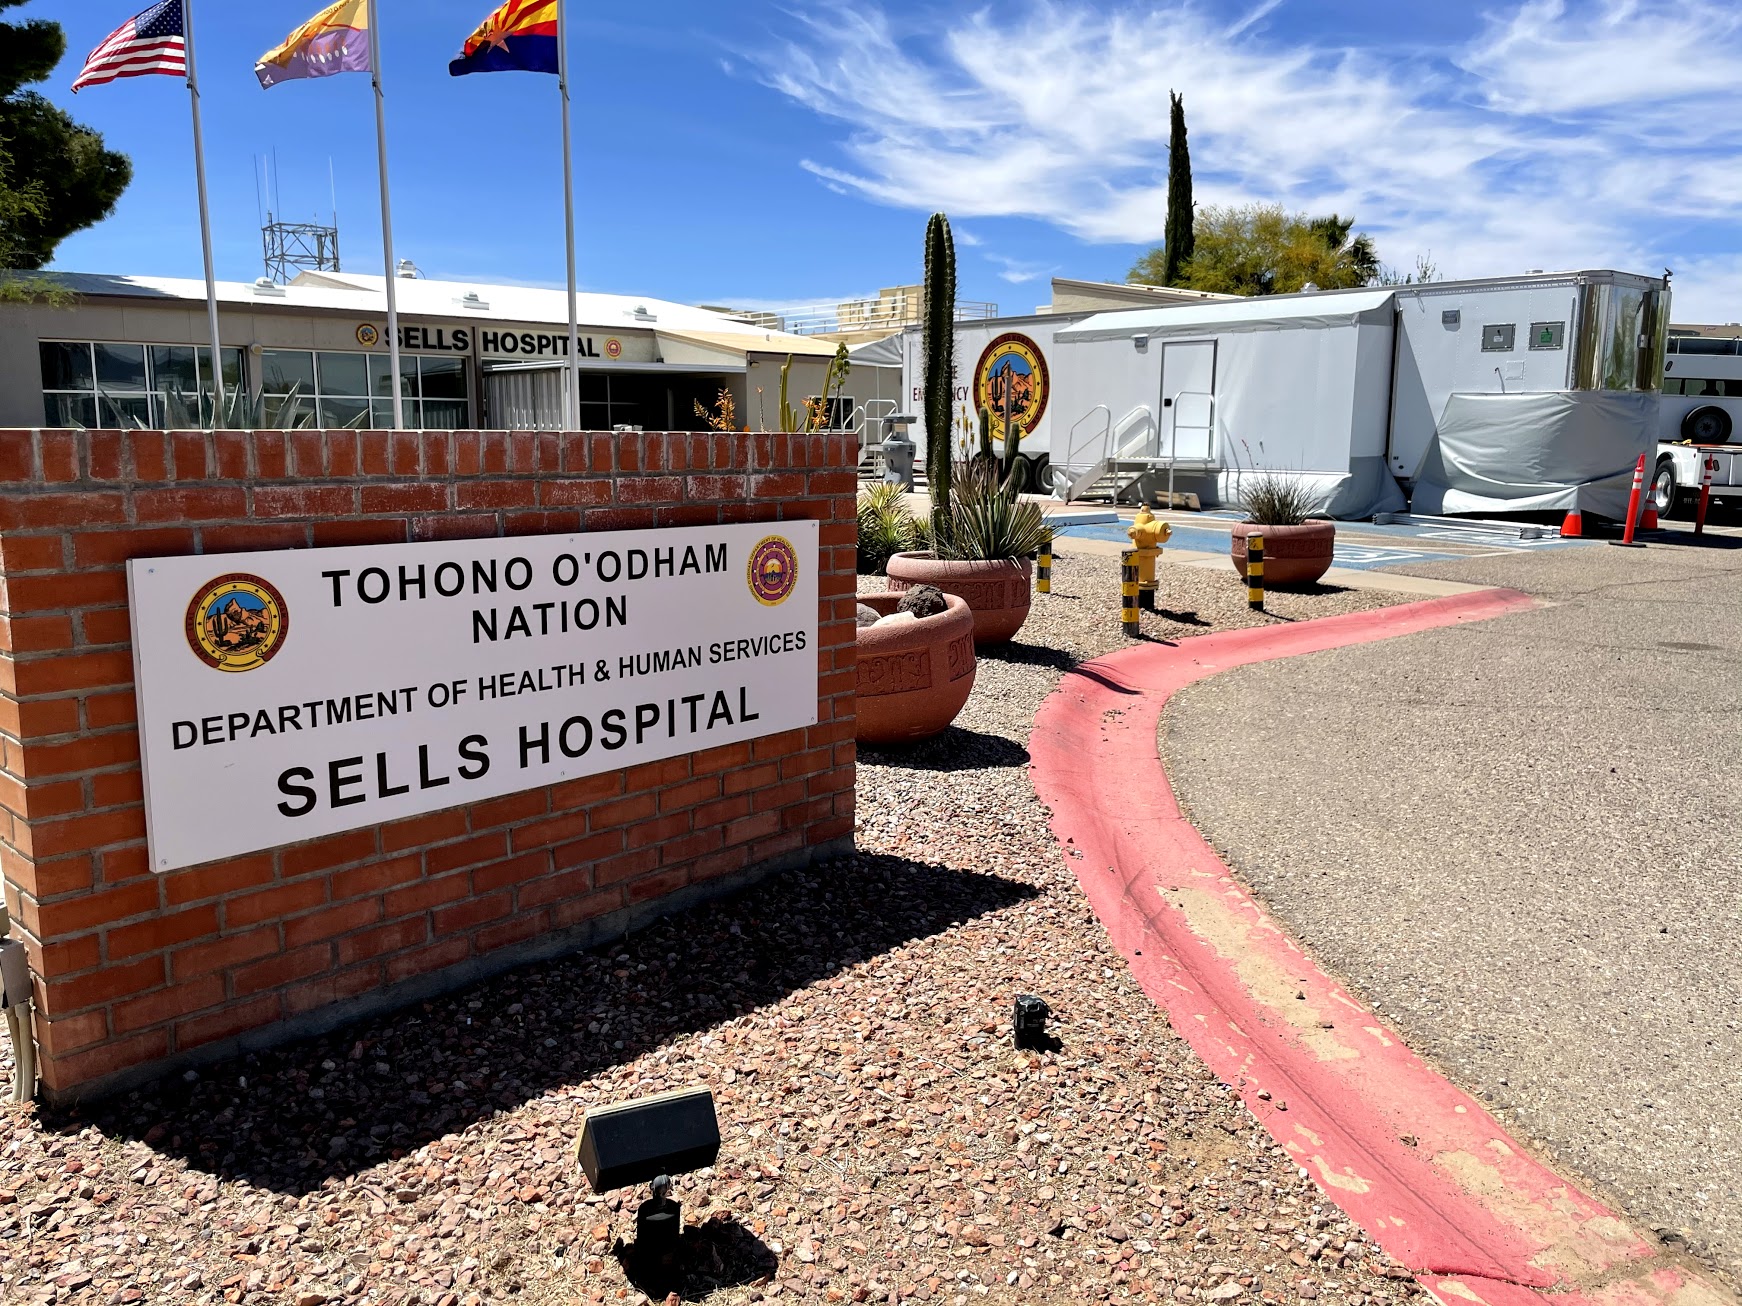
column 59, row 178
column 1262, row 249
column 1179, row 242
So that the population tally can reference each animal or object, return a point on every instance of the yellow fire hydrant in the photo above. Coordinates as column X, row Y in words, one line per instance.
column 1147, row 536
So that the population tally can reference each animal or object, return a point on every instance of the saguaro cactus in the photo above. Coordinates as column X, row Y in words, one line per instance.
column 940, row 362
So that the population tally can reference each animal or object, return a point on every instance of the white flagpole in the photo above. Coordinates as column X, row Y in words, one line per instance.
column 572, row 400
column 386, row 217
column 217, row 364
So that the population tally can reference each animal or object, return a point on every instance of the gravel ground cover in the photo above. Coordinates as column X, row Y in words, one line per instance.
column 884, row 1140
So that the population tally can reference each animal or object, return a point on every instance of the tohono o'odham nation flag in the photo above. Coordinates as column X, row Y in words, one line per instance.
column 147, row 43
column 520, row 36
column 336, row 40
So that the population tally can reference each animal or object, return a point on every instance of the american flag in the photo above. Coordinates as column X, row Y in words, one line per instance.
column 152, row 42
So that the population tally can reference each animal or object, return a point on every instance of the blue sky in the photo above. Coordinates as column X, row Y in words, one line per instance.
column 779, row 154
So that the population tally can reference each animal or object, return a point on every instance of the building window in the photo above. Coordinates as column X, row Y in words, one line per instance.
column 108, row 384
column 336, row 390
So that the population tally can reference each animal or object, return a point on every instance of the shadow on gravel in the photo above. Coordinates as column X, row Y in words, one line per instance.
column 292, row 1118
column 718, row 1253
column 1033, row 655
column 956, row 749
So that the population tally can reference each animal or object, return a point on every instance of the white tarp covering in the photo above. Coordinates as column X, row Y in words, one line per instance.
column 1536, row 452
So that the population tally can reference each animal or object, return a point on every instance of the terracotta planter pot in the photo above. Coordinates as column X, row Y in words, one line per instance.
column 1293, row 555
column 998, row 591
column 913, row 676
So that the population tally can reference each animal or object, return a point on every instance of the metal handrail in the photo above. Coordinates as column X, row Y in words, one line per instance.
column 1173, row 433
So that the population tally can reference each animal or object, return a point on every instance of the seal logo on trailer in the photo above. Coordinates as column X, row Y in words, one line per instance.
column 1012, row 365
column 368, row 336
column 237, row 622
column 613, row 348
column 773, row 571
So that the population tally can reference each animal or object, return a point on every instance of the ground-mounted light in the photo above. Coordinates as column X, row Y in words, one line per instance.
column 647, row 1141
column 1029, row 1021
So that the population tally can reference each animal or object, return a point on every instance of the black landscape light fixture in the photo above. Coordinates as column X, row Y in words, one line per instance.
column 648, row 1141
column 1030, row 1021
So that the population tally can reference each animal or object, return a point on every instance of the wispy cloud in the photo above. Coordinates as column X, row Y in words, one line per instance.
column 1018, row 271
column 1564, row 132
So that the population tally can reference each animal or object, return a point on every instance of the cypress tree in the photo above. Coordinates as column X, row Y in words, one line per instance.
column 1179, row 238
column 940, row 360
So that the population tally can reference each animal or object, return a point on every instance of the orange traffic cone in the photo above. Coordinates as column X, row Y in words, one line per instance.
column 1650, row 523
column 1573, row 528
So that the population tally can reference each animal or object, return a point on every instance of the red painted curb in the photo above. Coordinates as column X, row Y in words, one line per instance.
column 1460, row 1202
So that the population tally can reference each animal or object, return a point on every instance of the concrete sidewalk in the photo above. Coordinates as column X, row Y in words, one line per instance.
column 1522, row 841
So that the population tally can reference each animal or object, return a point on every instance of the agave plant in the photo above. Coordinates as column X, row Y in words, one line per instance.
column 242, row 412
column 986, row 519
column 886, row 527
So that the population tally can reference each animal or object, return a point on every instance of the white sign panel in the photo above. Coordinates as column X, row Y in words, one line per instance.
column 288, row 695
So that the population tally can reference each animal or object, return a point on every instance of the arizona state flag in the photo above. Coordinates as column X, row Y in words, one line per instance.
column 520, row 36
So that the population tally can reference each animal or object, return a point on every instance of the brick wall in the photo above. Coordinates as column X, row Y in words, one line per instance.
column 135, row 970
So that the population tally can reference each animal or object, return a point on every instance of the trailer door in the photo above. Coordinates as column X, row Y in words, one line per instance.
column 1188, row 399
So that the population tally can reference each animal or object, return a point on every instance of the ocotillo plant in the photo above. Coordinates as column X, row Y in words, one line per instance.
column 940, row 363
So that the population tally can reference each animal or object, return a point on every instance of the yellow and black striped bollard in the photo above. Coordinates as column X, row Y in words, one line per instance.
column 1255, row 572
column 1043, row 566
column 1128, row 591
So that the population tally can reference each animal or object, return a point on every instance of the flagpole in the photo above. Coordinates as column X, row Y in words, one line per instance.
column 386, row 217
column 187, row 18
column 573, row 397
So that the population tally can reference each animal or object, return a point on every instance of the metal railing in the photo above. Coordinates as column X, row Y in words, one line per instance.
column 885, row 313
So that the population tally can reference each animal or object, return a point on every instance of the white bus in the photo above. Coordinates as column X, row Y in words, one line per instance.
column 1699, row 413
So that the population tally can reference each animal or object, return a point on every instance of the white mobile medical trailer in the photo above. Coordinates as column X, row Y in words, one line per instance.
column 1515, row 394
column 991, row 355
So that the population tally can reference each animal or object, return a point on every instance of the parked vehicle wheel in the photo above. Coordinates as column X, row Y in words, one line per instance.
column 1706, row 425
column 1664, row 490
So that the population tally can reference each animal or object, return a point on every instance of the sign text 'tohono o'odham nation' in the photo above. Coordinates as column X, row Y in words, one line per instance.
column 288, row 695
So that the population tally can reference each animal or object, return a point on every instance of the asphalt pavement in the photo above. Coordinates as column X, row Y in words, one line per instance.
column 1521, row 840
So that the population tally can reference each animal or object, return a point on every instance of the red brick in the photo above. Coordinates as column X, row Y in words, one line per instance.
column 463, row 916
column 227, row 1022
column 507, row 811
column 753, row 827
column 105, row 710
column 218, row 878
column 396, row 936
column 678, row 797
column 404, row 498
column 376, row 877
column 515, row 870
column 191, row 456
column 126, row 863
column 333, row 921
column 232, row 450
column 63, row 590
column 494, row 495
column 59, row 451
column 223, row 954
column 419, row 831
column 67, row 958
column 752, row 777
column 250, row 537
column 328, row 989
column 69, row 671
column 573, row 911
column 690, row 846
column 305, row 501
column 101, row 986
column 656, row 886
column 115, row 789
column 60, row 511
column 161, row 932
column 273, row 904
column 167, row 1004
column 472, row 852
column 620, row 519
column 284, row 968
column 322, row 854
column 585, row 851
column 21, row 553
column 104, row 1059
column 106, row 626
column 624, row 811
column 766, row 800
column 553, row 888
column 438, row 956
column 345, row 534
column 189, row 505
column 308, row 454
column 58, row 1038
column 552, row 830
column 76, row 915
column 571, row 493
column 150, row 451
column 614, row 870
column 658, row 830
column 588, row 789
column 17, row 456
column 524, row 926
column 427, row 894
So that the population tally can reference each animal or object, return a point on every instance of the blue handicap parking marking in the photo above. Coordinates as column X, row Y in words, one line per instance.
column 1355, row 555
